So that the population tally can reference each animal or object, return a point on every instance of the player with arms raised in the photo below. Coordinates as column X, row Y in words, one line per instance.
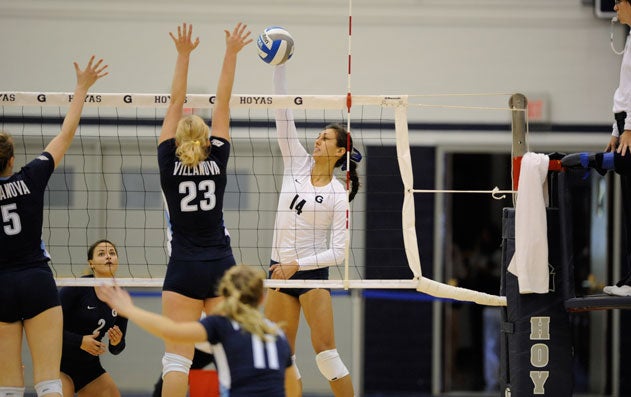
column 193, row 181
column 30, row 301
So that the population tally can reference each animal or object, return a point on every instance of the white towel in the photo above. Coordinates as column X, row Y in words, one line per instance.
column 530, row 260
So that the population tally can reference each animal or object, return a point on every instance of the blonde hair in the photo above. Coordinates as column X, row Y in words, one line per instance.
column 242, row 289
column 191, row 136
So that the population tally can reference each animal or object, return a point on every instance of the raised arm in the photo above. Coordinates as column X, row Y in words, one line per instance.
column 58, row 146
column 184, row 46
column 235, row 41
column 290, row 147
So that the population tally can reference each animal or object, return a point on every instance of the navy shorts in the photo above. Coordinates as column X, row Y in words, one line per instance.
column 315, row 274
column 197, row 280
column 81, row 371
column 27, row 292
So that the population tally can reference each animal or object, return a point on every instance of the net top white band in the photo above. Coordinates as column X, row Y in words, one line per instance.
column 430, row 287
column 200, row 100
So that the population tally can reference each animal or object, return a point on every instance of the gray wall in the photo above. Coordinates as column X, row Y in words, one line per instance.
column 554, row 49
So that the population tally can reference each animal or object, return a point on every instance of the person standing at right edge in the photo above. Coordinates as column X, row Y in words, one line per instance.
column 193, row 181
column 617, row 154
column 620, row 142
column 310, row 236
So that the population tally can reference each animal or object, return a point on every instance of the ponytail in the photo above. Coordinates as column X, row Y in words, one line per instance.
column 191, row 137
column 355, row 156
column 242, row 288
column 354, row 181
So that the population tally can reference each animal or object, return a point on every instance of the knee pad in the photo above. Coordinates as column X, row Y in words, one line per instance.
column 175, row 363
column 49, row 386
column 293, row 362
column 330, row 365
column 12, row 392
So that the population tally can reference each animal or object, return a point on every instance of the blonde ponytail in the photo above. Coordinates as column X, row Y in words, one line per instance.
column 242, row 289
column 191, row 136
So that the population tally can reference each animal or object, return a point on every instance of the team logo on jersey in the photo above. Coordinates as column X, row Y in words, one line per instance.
column 217, row 142
column 42, row 157
column 319, row 199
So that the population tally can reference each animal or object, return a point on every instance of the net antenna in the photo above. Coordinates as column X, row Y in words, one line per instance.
column 349, row 104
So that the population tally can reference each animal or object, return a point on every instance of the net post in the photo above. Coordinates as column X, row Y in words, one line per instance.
column 518, row 104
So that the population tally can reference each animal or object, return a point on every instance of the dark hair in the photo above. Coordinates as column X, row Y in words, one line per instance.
column 343, row 138
column 6, row 150
column 93, row 246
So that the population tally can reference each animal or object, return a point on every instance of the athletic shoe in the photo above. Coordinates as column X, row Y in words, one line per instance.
column 582, row 160
column 624, row 290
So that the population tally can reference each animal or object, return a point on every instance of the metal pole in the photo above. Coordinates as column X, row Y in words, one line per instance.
column 519, row 105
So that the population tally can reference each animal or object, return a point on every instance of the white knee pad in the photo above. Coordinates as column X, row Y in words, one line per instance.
column 48, row 387
column 293, row 361
column 330, row 365
column 175, row 363
column 11, row 392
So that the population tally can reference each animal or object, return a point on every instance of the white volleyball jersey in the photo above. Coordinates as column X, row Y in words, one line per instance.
column 622, row 95
column 311, row 220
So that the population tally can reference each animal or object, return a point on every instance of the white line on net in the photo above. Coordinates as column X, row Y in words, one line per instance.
column 425, row 285
column 495, row 192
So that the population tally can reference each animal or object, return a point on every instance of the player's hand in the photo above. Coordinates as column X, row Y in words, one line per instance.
column 184, row 43
column 91, row 73
column 613, row 144
column 624, row 145
column 284, row 271
column 116, row 298
column 91, row 345
column 115, row 335
column 239, row 38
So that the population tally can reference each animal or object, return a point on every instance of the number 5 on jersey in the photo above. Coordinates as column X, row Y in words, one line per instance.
column 11, row 219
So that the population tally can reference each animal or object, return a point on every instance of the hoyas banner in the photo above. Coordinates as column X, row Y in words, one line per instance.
column 536, row 342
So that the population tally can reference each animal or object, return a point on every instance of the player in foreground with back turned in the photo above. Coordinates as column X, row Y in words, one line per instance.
column 310, row 236
column 87, row 319
column 30, row 301
column 193, row 180
column 251, row 353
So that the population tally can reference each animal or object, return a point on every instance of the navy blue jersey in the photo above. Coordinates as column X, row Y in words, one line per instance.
column 21, row 213
column 194, row 200
column 85, row 313
column 246, row 365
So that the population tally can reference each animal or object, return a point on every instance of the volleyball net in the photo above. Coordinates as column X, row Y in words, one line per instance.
column 108, row 185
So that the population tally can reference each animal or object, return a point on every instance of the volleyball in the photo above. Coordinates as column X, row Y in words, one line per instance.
column 275, row 44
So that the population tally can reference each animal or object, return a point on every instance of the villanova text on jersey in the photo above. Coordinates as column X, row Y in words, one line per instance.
column 13, row 189
column 207, row 167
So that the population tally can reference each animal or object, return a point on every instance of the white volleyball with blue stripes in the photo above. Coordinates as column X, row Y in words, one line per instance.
column 276, row 46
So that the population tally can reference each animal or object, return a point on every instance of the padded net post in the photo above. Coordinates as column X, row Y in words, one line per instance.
column 535, row 342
